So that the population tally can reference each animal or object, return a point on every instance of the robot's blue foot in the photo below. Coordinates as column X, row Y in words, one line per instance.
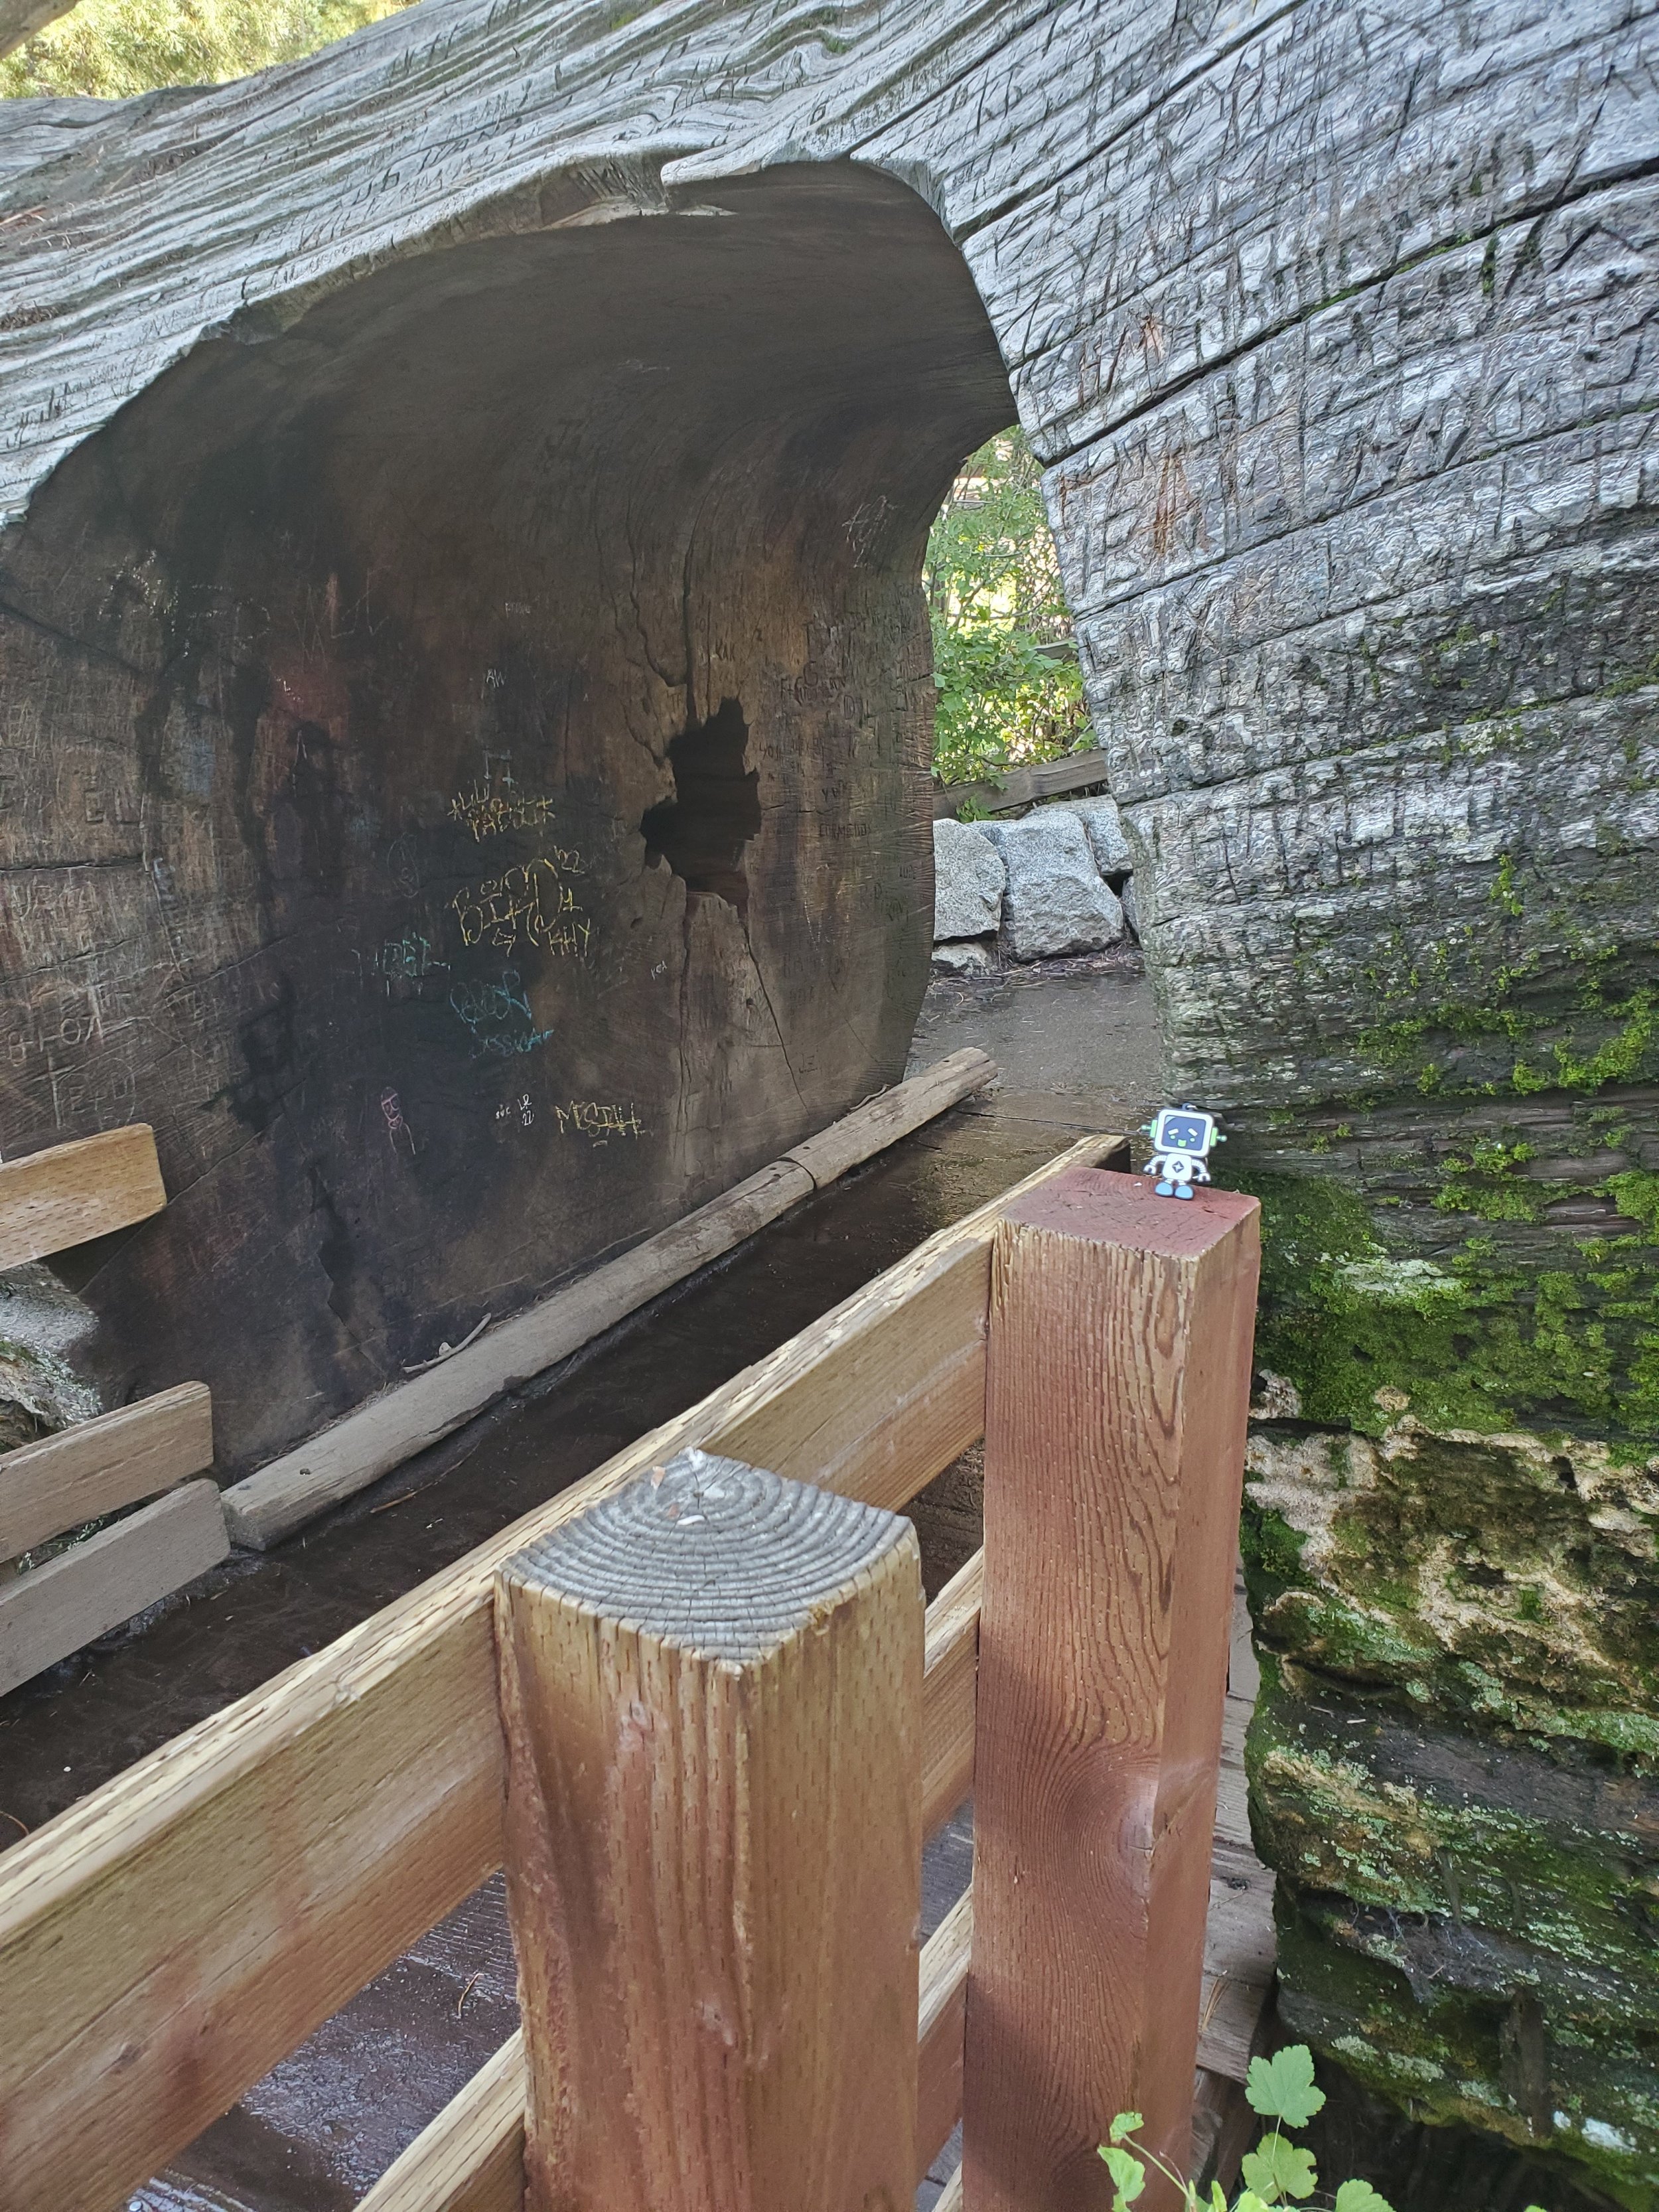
column 1185, row 1190
column 1165, row 1190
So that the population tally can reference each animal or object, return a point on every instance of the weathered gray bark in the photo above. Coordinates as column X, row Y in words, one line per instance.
column 512, row 380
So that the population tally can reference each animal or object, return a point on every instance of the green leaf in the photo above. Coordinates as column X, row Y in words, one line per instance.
column 1249, row 2201
column 1126, row 2125
column 1282, row 2088
column 1217, row 2197
column 1360, row 2197
column 1126, row 2171
column 1276, row 2168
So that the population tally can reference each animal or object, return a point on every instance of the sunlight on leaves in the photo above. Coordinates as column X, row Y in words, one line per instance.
column 1003, row 661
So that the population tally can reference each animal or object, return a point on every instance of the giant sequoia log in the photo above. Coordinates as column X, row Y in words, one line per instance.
column 538, row 393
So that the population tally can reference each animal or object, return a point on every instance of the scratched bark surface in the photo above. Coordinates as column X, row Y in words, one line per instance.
column 513, row 391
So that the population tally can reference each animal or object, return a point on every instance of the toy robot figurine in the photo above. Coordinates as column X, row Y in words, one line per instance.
column 1180, row 1137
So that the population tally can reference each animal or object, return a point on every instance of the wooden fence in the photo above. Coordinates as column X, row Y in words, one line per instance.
column 49, row 1201
column 710, row 1797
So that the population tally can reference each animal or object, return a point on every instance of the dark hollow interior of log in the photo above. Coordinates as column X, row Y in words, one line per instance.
column 478, row 735
column 703, row 830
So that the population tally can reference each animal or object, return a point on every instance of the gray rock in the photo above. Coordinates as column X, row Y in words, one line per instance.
column 970, row 956
column 967, row 880
column 1131, row 910
column 1055, row 902
column 1102, row 825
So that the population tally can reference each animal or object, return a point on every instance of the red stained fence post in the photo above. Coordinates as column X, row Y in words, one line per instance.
column 1116, row 1394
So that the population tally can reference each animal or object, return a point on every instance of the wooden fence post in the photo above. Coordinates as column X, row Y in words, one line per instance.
column 1116, row 1392
column 711, row 1687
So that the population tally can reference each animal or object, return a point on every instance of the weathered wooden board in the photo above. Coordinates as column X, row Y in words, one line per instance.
column 947, row 1742
column 94, row 1587
column 98, row 1466
column 70, row 1193
column 942, row 2011
column 298, row 1841
column 471, row 2157
column 1047, row 780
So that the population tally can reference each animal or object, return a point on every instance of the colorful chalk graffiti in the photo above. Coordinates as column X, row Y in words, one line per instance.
column 498, row 1016
column 530, row 904
column 597, row 1120
column 496, row 804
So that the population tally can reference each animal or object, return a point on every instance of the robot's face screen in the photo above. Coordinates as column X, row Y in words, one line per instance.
column 1182, row 1132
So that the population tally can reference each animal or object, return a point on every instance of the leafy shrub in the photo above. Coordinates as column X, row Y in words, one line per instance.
column 112, row 49
column 1282, row 2089
column 1009, row 689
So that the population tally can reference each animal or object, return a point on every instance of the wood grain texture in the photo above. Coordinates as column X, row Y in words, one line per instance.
column 941, row 2015
column 711, row 1688
column 883, row 1121
column 229, row 1893
column 1117, row 1382
column 950, row 1695
column 471, row 2157
column 445, row 1040
column 94, row 1587
column 69, row 1193
column 97, row 1466
column 271, row 1504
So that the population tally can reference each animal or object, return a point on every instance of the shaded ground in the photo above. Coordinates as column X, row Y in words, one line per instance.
column 1078, row 1054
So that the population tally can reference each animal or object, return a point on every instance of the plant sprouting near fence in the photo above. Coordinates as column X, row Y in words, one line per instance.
column 1009, row 689
column 1277, row 2171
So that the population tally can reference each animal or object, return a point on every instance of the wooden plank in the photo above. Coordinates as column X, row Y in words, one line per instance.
column 950, row 1695
column 1116, row 1391
column 94, row 1587
column 882, row 1121
column 942, row 2011
column 711, row 1689
column 282, row 1496
column 100, row 1465
column 51, row 1200
column 1025, row 786
column 911, row 1398
column 471, row 2157
column 229, row 1893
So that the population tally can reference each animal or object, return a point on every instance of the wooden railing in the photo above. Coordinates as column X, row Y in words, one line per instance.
column 49, row 1201
column 164, row 1943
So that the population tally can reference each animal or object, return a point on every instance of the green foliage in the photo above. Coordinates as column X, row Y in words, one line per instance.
column 1281, row 2088
column 1009, row 688
column 112, row 49
column 1277, row 2168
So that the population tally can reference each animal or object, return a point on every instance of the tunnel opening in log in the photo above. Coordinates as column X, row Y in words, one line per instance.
column 703, row 830
column 362, row 668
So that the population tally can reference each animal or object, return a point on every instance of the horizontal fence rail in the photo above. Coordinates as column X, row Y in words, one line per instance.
column 164, row 1943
